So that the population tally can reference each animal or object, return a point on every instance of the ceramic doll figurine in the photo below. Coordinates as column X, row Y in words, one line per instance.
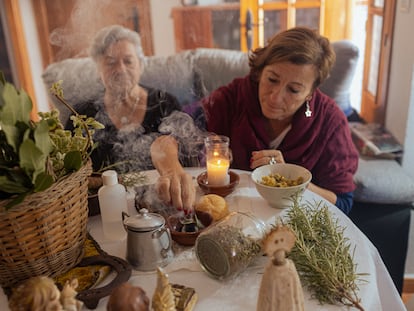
column 67, row 297
column 280, row 288
column 36, row 294
column 127, row 297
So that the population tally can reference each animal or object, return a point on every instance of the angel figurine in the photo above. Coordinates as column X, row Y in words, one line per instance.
column 68, row 296
column 36, row 294
column 280, row 288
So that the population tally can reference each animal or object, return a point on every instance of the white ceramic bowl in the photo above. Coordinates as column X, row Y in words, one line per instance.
column 279, row 197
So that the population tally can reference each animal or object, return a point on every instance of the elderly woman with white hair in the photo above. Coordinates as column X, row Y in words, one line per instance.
column 130, row 112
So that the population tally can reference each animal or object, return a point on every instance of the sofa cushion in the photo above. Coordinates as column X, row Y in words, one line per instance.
column 217, row 67
column 173, row 74
column 382, row 181
column 338, row 84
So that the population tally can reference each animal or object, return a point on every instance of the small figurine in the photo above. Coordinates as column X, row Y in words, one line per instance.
column 36, row 294
column 280, row 288
column 172, row 297
column 67, row 297
column 163, row 298
column 128, row 298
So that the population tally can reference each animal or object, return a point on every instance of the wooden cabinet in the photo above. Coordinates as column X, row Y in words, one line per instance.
column 66, row 27
column 207, row 26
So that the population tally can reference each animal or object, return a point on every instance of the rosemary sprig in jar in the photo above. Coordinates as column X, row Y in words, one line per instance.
column 323, row 255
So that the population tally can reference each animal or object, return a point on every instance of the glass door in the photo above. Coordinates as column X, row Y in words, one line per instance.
column 261, row 19
column 380, row 24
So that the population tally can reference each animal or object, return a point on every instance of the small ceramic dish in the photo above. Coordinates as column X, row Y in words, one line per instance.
column 187, row 238
column 219, row 190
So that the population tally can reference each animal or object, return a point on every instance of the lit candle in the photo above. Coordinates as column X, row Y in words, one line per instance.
column 218, row 160
column 218, row 172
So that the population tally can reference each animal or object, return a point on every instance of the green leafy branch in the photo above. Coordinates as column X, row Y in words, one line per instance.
column 34, row 155
column 80, row 122
column 323, row 255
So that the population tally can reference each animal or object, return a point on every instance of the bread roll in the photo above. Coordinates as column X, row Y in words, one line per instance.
column 213, row 204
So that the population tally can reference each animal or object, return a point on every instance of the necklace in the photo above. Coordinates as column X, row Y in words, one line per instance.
column 125, row 120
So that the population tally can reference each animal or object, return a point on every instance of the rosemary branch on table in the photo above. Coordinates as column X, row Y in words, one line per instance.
column 323, row 256
column 134, row 179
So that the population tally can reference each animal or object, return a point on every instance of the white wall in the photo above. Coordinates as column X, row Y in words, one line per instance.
column 408, row 161
column 400, row 109
column 35, row 58
column 400, row 106
column 162, row 26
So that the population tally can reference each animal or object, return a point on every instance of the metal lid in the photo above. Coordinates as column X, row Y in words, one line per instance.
column 144, row 221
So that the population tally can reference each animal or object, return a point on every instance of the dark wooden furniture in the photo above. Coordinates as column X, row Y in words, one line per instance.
column 207, row 26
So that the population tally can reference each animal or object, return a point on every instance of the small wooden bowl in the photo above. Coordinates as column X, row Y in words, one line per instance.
column 93, row 205
column 94, row 183
column 219, row 190
column 187, row 238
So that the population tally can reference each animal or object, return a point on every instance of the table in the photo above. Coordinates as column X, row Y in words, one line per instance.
column 378, row 293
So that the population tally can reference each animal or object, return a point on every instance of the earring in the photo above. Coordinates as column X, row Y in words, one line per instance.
column 308, row 112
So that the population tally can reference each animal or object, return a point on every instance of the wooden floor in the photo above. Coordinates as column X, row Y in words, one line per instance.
column 407, row 296
column 408, row 290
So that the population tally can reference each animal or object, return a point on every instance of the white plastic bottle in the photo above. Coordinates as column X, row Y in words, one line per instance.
column 112, row 202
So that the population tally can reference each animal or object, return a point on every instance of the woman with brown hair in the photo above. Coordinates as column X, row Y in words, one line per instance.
column 277, row 114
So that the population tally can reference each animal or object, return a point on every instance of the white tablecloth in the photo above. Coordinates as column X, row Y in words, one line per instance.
column 377, row 293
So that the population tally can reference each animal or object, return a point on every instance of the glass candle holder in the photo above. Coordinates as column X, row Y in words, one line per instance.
column 218, row 158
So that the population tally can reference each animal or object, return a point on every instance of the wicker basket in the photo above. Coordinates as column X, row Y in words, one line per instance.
column 45, row 234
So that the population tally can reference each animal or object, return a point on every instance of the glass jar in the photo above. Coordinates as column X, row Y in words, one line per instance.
column 226, row 248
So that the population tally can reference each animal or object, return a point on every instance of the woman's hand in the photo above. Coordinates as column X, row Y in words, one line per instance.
column 264, row 157
column 174, row 186
column 177, row 189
